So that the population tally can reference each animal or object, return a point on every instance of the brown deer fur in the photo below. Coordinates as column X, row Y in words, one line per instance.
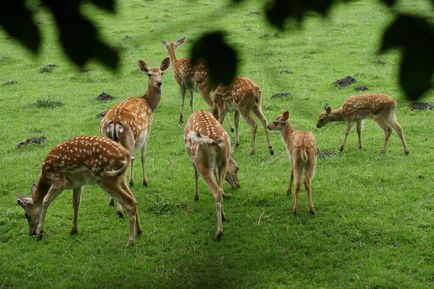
column 74, row 163
column 189, row 76
column 378, row 106
column 302, row 149
column 244, row 97
column 209, row 148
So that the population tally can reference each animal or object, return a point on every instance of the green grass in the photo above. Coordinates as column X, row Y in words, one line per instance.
column 374, row 222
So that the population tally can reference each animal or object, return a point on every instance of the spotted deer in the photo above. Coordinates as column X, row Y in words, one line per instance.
column 302, row 151
column 209, row 148
column 189, row 76
column 244, row 97
column 378, row 106
column 71, row 165
column 129, row 122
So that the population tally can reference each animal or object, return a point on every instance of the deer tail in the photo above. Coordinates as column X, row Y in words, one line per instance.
column 114, row 130
column 118, row 172
column 204, row 140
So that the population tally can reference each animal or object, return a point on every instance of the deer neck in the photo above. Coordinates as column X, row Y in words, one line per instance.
column 172, row 56
column 337, row 115
column 41, row 191
column 286, row 132
column 152, row 97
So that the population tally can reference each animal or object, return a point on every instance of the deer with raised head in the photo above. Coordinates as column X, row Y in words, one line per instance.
column 71, row 165
column 129, row 122
column 189, row 76
column 378, row 106
column 302, row 150
column 244, row 97
column 210, row 151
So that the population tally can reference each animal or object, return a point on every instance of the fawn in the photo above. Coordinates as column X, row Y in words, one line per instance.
column 302, row 150
column 209, row 148
column 244, row 97
column 129, row 122
column 378, row 106
column 189, row 76
column 74, row 163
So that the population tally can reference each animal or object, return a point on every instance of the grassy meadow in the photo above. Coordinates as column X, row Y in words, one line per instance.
column 374, row 222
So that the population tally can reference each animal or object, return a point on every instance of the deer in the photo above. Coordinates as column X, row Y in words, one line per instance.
column 380, row 107
column 244, row 97
column 73, row 164
column 210, row 151
column 189, row 76
column 302, row 150
column 129, row 122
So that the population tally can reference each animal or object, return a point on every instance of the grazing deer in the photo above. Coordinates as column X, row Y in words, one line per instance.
column 189, row 76
column 378, row 106
column 301, row 146
column 129, row 122
column 74, row 163
column 244, row 97
column 209, row 148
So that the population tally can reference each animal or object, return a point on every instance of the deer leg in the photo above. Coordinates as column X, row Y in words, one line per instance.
column 248, row 117
column 52, row 193
column 237, row 127
column 387, row 132
column 128, row 201
column 395, row 125
column 142, row 159
column 181, row 113
column 220, row 181
column 230, row 123
column 297, row 176
column 191, row 99
column 359, row 132
column 308, row 175
column 76, row 197
column 347, row 131
column 196, row 187
column 291, row 179
column 218, row 197
column 138, row 225
column 260, row 115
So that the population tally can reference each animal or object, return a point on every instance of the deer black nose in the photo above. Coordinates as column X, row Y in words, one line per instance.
column 159, row 83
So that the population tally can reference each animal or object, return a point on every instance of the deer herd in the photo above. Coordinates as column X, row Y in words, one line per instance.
column 105, row 159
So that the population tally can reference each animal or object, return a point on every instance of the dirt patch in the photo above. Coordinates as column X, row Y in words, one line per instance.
column 379, row 62
column 101, row 114
column 9, row 82
column 104, row 97
column 30, row 141
column 47, row 103
column 47, row 68
column 344, row 82
column 327, row 154
column 360, row 88
column 420, row 106
column 285, row 71
column 281, row 95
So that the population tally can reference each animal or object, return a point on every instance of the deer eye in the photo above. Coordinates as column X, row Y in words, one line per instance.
column 162, row 72
column 275, row 123
column 26, row 215
column 149, row 74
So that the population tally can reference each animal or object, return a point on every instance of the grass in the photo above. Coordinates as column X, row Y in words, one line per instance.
column 373, row 227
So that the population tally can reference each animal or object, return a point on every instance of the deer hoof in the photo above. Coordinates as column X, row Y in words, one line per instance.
column 231, row 129
column 295, row 212
column 341, row 149
column 139, row 232
column 112, row 203
column 39, row 237
column 131, row 183
column 129, row 244
column 407, row 152
column 312, row 212
column 145, row 183
column 271, row 151
column 73, row 232
column 218, row 235
column 288, row 194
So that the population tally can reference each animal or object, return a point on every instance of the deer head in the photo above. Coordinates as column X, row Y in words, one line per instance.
column 232, row 171
column 324, row 117
column 279, row 121
column 31, row 212
column 155, row 74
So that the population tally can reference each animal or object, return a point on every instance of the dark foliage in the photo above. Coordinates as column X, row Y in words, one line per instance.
column 415, row 37
column 220, row 57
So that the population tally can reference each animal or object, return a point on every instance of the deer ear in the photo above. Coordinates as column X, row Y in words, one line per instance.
column 34, row 186
column 327, row 109
column 180, row 41
column 165, row 64
column 285, row 115
column 164, row 43
column 143, row 67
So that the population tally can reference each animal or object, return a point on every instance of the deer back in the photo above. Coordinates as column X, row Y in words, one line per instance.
column 241, row 90
column 373, row 103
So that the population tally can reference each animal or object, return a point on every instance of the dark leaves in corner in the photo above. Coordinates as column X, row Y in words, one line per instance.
column 16, row 20
column 389, row 3
column 220, row 58
column 414, row 35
